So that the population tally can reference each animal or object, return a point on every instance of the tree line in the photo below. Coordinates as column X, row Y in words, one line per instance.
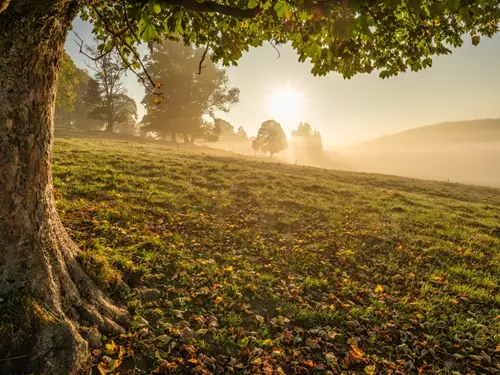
column 187, row 105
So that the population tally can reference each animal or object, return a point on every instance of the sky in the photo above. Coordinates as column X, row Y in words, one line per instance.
column 462, row 86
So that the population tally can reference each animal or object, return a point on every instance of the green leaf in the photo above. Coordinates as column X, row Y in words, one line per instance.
column 138, row 322
column 427, row 62
column 253, row 3
column 476, row 39
column 157, row 8
column 281, row 8
column 148, row 33
column 453, row 5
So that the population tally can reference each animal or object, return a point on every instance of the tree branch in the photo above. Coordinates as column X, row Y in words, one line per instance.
column 200, row 65
column 276, row 48
column 109, row 29
column 210, row 6
column 93, row 58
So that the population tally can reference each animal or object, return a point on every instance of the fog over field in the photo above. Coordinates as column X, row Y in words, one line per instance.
column 472, row 163
column 465, row 152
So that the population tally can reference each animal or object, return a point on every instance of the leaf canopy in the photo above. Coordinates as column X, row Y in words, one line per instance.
column 350, row 37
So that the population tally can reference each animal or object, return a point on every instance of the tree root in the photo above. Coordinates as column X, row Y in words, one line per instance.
column 68, row 305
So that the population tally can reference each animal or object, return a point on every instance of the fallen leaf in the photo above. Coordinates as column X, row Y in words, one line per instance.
column 218, row 299
column 259, row 319
column 357, row 354
column 370, row 370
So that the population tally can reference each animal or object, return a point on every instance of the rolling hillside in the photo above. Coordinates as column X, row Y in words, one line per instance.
column 458, row 133
column 235, row 265
column 466, row 152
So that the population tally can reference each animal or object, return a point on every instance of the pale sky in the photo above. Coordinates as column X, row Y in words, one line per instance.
column 462, row 86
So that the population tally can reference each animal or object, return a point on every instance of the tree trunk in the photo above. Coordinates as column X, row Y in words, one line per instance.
column 110, row 121
column 37, row 257
column 173, row 137
column 186, row 138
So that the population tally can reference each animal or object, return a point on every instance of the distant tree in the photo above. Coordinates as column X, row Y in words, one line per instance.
column 74, row 99
column 126, row 115
column 309, row 140
column 66, row 95
column 89, row 98
column 241, row 133
column 303, row 130
column 317, row 142
column 271, row 138
column 188, row 96
column 208, row 131
column 114, row 106
column 226, row 129
column 255, row 146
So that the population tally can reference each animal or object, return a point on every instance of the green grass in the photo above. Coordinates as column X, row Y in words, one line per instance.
column 271, row 268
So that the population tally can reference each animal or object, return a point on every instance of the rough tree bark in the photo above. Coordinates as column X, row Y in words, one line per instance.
column 37, row 257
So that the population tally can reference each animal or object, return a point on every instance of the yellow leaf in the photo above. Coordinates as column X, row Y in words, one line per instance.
column 379, row 289
column 229, row 269
column 370, row 370
column 121, row 353
column 267, row 342
column 357, row 354
column 218, row 299
column 412, row 275
column 110, row 347
column 259, row 319
column 102, row 367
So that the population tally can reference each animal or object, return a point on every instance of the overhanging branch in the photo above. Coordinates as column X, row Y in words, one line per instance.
column 210, row 6
column 200, row 65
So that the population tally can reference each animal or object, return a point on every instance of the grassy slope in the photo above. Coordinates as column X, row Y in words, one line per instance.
column 269, row 268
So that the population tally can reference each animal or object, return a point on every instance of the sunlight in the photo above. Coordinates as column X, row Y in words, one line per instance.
column 285, row 103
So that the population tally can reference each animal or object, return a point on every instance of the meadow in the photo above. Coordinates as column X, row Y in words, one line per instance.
column 237, row 265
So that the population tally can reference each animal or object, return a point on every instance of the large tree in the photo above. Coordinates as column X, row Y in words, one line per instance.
column 187, row 95
column 37, row 257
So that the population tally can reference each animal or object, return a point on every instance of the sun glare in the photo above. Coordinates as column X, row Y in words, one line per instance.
column 285, row 103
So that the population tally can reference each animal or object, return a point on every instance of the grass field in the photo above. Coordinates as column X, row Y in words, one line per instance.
column 243, row 266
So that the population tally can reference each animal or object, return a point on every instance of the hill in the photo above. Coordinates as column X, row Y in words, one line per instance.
column 444, row 134
column 237, row 265
column 466, row 152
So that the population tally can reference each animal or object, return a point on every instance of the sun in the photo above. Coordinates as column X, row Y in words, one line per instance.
column 285, row 103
